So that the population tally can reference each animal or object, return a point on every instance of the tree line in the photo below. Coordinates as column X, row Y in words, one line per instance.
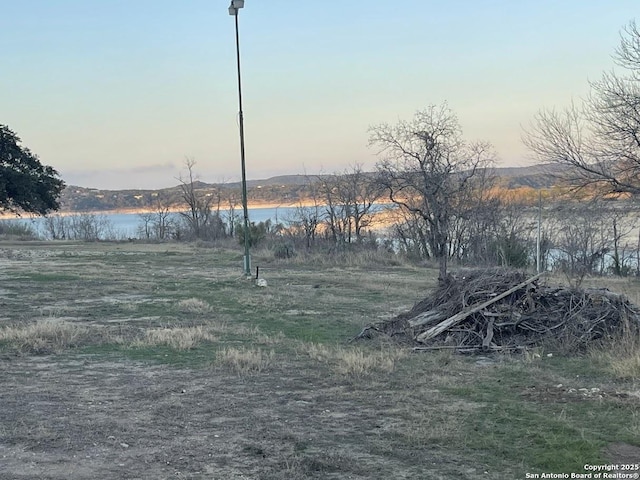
column 441, row 185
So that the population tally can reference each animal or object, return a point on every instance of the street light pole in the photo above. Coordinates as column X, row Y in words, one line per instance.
column 233, row 10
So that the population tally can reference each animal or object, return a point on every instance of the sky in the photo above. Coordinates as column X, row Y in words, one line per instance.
column 117, row 94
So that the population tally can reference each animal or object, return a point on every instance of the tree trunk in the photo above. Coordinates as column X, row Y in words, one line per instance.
column 442, row 272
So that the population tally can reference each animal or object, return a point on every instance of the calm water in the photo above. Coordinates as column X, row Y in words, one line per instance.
column 126, row 225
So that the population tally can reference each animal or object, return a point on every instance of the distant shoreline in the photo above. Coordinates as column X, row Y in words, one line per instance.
column 182, row 208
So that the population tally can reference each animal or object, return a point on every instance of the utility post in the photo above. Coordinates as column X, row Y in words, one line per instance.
column 233, row 10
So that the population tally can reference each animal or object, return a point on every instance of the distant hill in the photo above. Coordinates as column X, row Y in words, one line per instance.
column 280, row 180
column 535, row 176
column 280, row 189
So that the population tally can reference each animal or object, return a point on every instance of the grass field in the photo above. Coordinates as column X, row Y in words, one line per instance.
column 137, row 361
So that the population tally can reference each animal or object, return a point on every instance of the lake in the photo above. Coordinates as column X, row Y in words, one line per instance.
column 126, row 225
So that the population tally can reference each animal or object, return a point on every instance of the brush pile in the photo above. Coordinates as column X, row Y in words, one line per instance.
column 505, row 310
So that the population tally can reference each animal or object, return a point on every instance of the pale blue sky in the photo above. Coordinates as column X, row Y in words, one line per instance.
column 116, row 93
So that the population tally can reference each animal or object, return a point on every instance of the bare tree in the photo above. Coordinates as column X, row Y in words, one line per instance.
column 582, row 240
column 349, row 199
column 80, row 226
column 335, row 212
column 620, row 252
column 145, row 228
column 203, row 223
column 477, row 216
column 163, row 222
column 599, row 140
column 56, row 227
column 426, row 166
column 198, row 205
column 90, row 227
column 305, row 221
column 408, row 229
column 359, row 192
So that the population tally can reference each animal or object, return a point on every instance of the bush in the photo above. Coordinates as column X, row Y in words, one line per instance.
column 257, row 232
column 512, row 251
column 88, row 227
column 45, row 337
column 18, row 229
column 245, row 361
column 177, row 338
column 284, row 250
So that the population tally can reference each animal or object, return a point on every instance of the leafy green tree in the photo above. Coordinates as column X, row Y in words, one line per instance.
column 25, row 184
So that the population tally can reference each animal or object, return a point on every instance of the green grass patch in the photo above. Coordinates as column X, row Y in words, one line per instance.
column 309, row 329
column 577, row 367
column 199, row 357
column 527, row 419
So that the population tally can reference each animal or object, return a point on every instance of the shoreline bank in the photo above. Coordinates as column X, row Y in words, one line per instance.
column 136, row 211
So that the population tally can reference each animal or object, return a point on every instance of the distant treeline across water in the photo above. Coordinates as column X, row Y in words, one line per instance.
column 127, row 225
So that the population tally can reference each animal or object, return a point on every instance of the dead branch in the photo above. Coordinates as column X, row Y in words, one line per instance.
column 508, row 312
column 448, row 323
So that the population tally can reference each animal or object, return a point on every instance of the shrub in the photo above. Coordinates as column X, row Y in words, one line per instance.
column 44, row 337
column 194, row 305
column 18, row 229
column 512, row 251
column 176, row 338
column 354, row 361
column 257, row 232
column 284, row 250
column 244, row 361
column 621, row 353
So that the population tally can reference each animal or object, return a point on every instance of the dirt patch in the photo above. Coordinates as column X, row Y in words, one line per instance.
column 89, row 418
column 108, row 407
column 623, row 453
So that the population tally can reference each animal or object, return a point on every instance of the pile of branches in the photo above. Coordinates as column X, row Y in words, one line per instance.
column 505, row 310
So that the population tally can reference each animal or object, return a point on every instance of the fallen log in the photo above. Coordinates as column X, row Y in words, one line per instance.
column 458, row 317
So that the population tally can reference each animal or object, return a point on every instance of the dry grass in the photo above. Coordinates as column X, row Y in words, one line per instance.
column 244, row 361
column 623, row 359
column 626, row 367
column 53, row 335
column 316, row 351
column 532, row 355
column 354, row 361
column 627, row 286
column 358, row 362
column 271, row 340
column 621, row 354
column 633, row 425
column 194, row 305
column 178, row 338
column 443, row 427
column 363, row 258
column 437, row 406
column 45, row 336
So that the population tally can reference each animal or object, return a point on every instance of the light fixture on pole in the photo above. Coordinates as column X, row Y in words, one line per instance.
column 233, row 10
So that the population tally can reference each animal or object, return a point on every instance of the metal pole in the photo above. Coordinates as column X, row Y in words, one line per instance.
column 538, row 240
column 245, row 209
